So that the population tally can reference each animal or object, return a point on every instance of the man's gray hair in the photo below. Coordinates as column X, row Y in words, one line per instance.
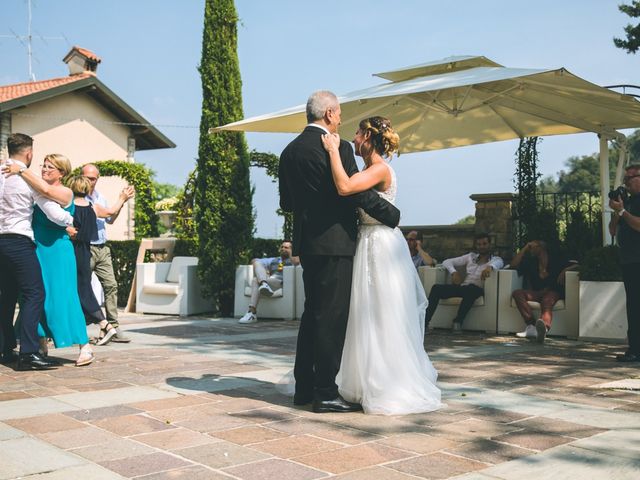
column 319, row 102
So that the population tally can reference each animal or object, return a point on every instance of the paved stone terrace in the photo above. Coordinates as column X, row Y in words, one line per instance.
column 195, row 399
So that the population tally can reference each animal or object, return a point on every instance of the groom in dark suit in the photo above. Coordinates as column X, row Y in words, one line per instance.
column 324, row 236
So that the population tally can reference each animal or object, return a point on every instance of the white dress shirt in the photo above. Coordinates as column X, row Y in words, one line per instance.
column 473, row 268
column 16, row 206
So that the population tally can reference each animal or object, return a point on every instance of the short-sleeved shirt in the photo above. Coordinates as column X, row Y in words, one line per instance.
column 274, row 265
column 628, row 238
column 529, row 269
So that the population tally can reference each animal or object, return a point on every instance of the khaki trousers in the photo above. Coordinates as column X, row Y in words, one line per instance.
column 101, row 264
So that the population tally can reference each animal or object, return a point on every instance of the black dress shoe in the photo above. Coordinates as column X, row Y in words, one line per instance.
column 338, row 405
column 35, row 361
column 8, row 357
column 628, row 357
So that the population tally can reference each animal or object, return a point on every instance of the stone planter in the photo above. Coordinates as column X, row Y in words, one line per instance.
column 167, row 219
column 603, row 314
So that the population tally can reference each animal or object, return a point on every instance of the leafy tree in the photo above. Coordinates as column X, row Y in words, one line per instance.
column 165, row 190
column 223, row 194
column 526, row 180
column 632, row 42
column 270, row 163
column 468, row 220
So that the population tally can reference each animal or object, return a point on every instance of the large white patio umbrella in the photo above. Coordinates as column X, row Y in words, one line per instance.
column 469, row 100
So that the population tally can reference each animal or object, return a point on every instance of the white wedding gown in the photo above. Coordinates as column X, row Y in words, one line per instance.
column 384, row 365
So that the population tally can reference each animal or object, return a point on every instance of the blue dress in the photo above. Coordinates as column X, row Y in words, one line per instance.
column 63, row 317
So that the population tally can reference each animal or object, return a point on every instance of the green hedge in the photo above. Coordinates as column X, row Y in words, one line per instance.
column 602, row 265
column 123, row 256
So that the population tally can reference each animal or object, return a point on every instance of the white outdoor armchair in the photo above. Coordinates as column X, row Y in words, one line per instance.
column 483, row 313
column 170, row 288
column 281, row 305
column 565, row 312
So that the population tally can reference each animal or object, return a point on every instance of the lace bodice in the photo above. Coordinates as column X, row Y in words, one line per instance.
column 389, row 195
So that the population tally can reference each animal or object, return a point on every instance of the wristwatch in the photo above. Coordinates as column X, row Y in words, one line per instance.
column 621, row 212
column 21, row 171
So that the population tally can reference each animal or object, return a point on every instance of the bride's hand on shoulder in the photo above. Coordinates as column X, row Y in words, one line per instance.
column 331, row 141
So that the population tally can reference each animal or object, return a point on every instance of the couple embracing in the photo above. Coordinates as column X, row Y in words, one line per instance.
column 360, row 343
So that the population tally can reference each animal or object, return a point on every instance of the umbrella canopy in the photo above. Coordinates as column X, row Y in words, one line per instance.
column 462, row 101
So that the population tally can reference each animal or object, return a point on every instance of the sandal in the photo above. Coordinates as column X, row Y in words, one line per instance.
column 106, row 334
column 86, row 357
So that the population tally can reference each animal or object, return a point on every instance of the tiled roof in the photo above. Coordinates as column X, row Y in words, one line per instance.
column 87, row 53
column 17, row 90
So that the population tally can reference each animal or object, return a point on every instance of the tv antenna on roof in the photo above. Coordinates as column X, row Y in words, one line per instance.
column 27, row 41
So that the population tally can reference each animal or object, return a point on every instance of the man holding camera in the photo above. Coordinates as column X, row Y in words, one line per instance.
column 625, row 222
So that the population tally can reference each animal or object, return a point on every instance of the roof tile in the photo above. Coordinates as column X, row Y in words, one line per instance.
column 17, row 90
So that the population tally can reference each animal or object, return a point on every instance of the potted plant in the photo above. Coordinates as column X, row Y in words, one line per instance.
column 603, row 312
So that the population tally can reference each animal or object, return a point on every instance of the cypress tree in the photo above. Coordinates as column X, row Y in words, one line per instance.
column 223, row 194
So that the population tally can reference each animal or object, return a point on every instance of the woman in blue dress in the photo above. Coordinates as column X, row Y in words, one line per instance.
column 63, row 320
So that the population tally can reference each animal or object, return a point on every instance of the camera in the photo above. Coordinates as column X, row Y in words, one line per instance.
column 618, row 192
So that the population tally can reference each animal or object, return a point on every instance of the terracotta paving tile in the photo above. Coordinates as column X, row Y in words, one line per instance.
column 45, row 423
column 274, row 469
column 79, row 437
column 234, row 405
column 250, row 434
column 96, row 386
column 188, row 473
column 50, row 391
column 353, row 458
column 263, row 415
column 180, row 414
column 144, row 464
column 495, row 415
column 559, row 427
column 296, row 446
column 417, row 442
column 167, row 403
column 336, row 433
column 99, row 413
column 113, row 449
column 440, row 417
column 489, row 451
column 221, row 454
column 174, row 438
column 212, row 423
column 131, row 425
column 4, row 396
column 533, row 440
column 378, row 424
column 378, row 473
column 436, row 465
column 470, row 429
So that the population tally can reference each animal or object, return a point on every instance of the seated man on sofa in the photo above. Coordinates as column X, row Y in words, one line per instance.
column 478, row 266
column 543, row 273
column 267, row 277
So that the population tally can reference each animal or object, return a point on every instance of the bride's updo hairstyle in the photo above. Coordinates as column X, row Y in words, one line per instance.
column 383, row 137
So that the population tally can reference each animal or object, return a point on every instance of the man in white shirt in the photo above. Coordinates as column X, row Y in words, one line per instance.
column 101, row 262
column 19, row 264
column 478, row 266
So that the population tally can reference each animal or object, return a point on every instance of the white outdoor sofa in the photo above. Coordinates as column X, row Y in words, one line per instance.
column 281, row 305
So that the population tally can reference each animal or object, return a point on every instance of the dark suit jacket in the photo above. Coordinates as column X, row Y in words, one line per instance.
column 324, row 223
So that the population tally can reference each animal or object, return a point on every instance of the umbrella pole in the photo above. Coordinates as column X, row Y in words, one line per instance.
column 604, row 189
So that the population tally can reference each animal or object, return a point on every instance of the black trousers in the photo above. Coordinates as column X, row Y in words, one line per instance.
column 469, row 293
column 631, row 279
column 20, row 273
column 327, row 289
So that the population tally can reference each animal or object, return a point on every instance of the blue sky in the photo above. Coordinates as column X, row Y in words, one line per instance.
column 150, row 50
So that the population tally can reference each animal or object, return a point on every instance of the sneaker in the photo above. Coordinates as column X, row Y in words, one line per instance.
column 120, row 337
column 529, row 332
column 249, row 317
column 265, row 290
column 541, row 330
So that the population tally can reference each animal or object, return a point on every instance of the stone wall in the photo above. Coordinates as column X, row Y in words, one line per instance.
column 493, row 216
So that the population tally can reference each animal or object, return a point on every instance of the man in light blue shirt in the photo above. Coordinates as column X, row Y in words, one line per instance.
column 101, row 262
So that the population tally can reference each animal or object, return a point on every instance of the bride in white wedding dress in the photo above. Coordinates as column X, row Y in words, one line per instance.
column 384, row 365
